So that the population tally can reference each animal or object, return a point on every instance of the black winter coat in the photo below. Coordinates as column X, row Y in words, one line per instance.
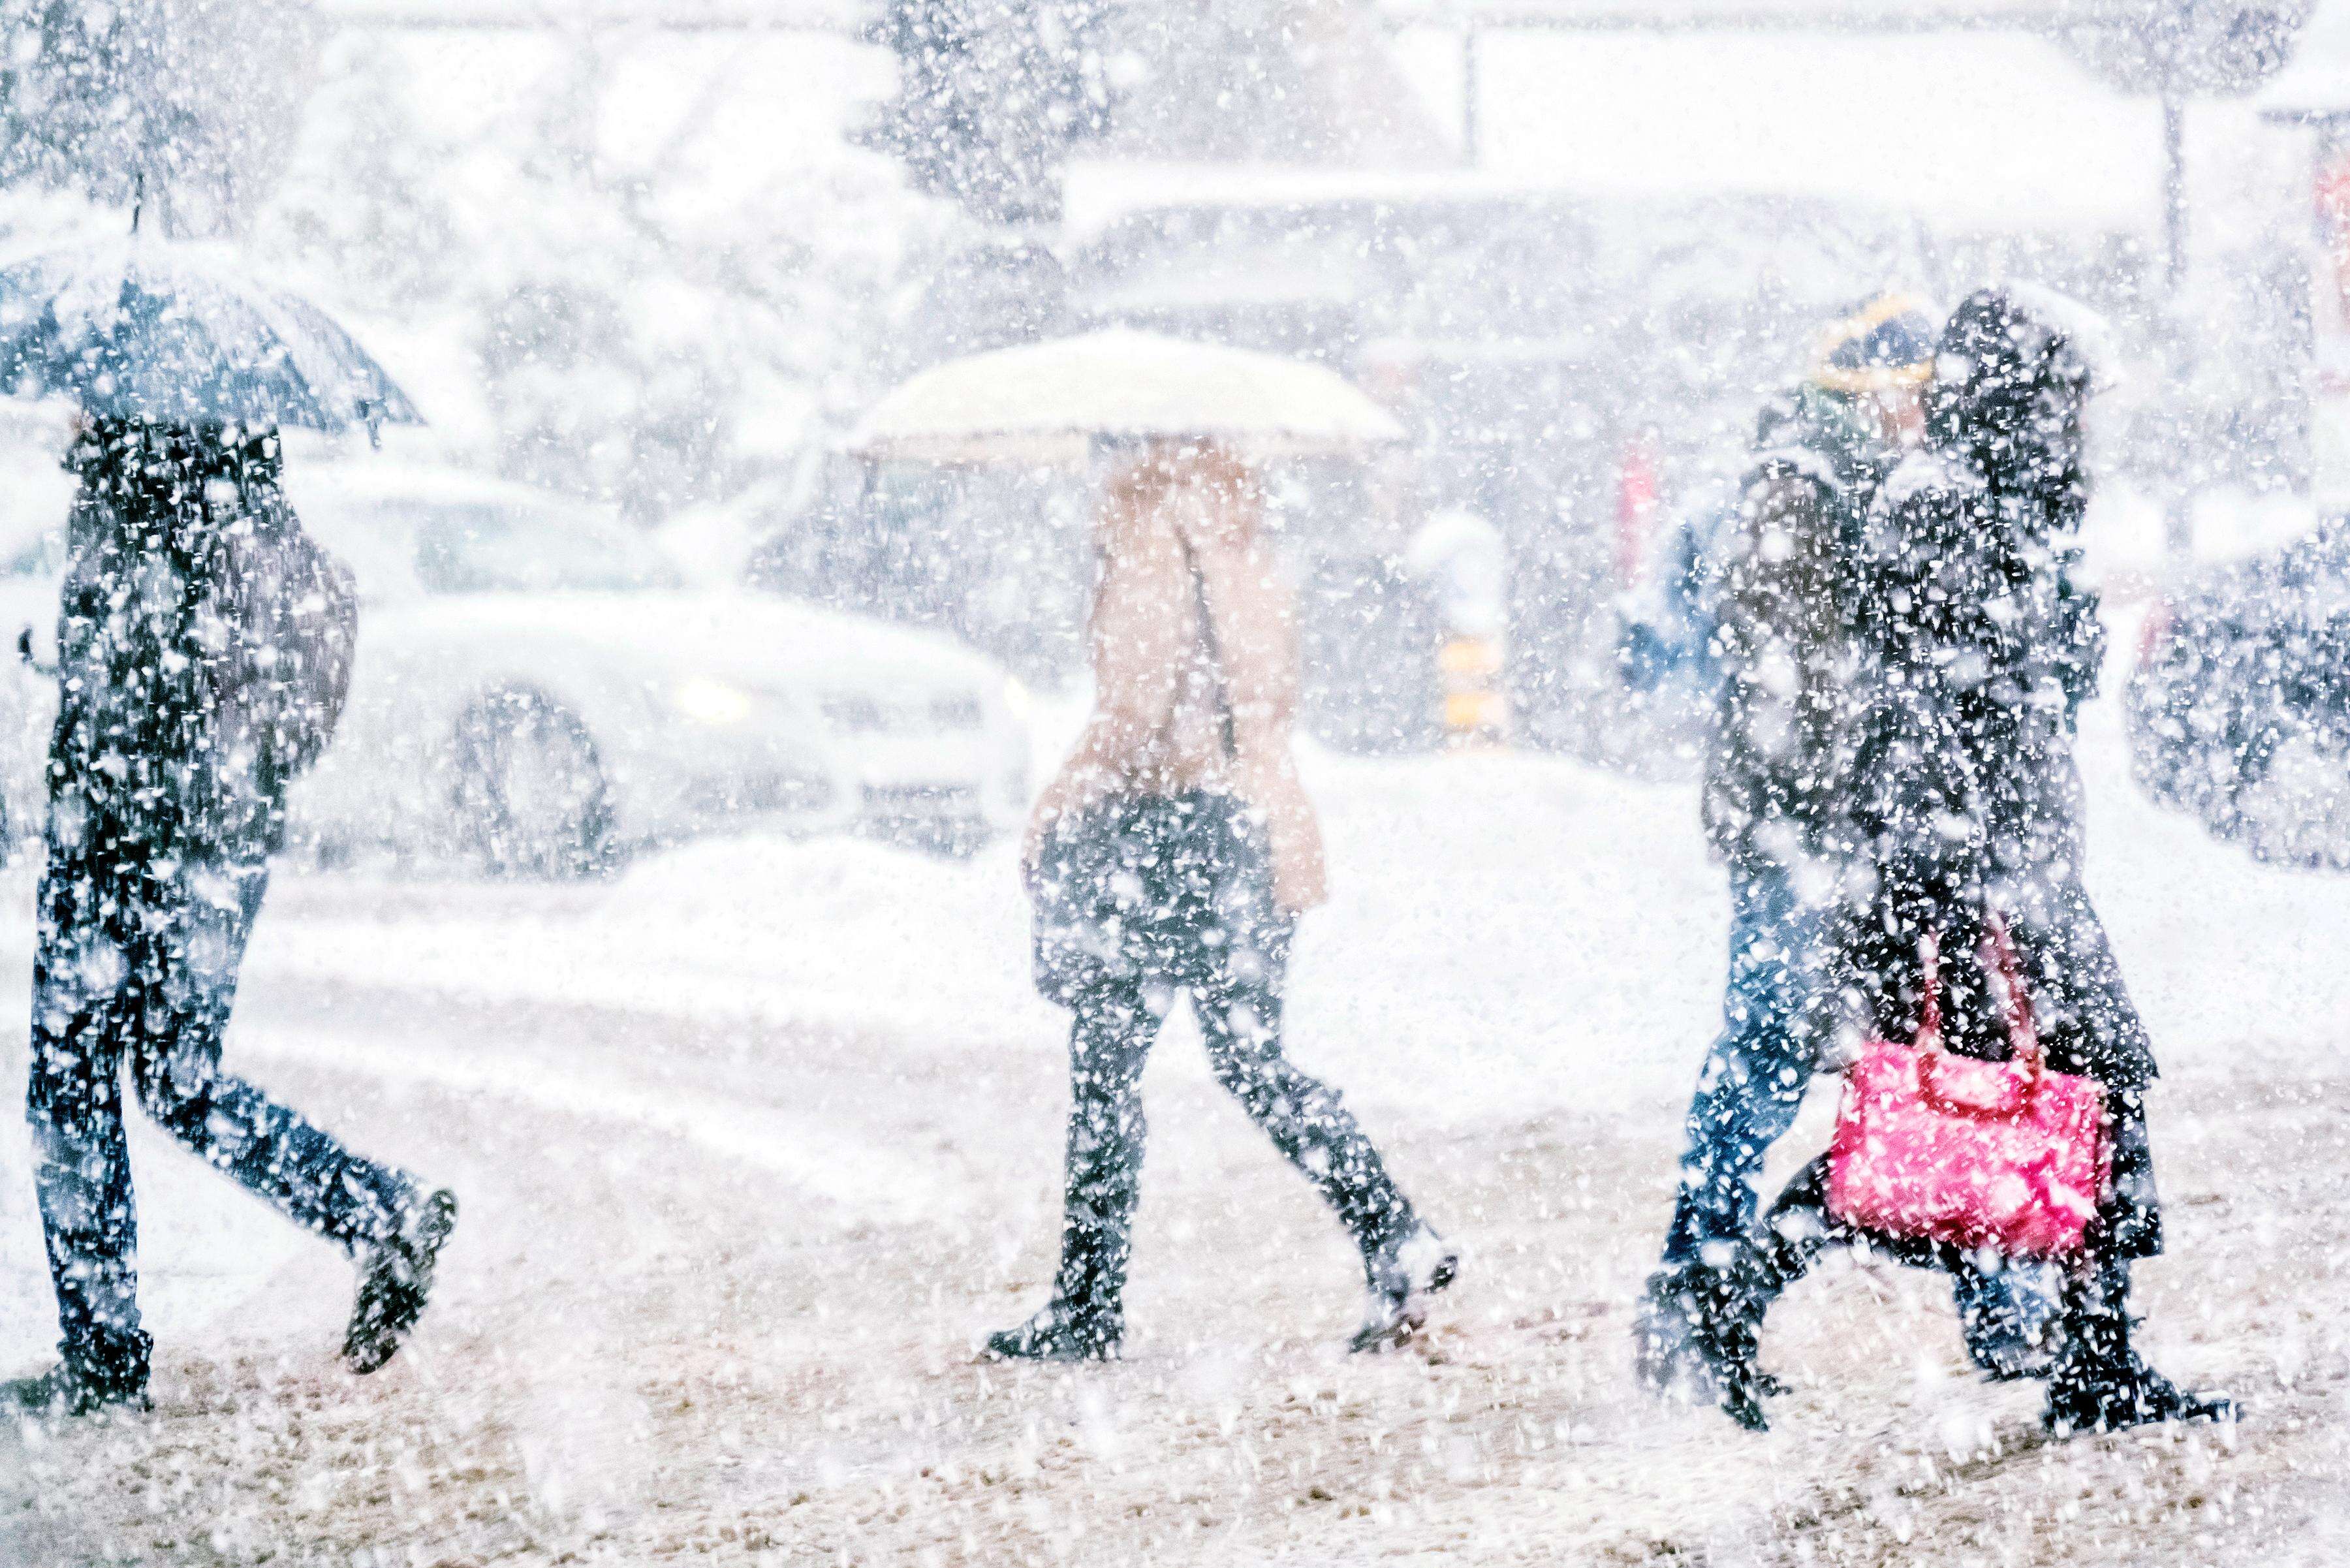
column 1976, row 646
column 204, row 647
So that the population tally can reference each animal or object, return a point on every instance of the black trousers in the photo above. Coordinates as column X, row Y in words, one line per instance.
column 1239, row 1010
column 137, row 965
column 1149, row 900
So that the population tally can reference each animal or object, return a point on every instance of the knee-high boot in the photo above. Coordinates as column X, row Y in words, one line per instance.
column 2101, row 1383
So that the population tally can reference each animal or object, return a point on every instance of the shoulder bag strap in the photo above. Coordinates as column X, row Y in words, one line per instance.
column 1929, row 1023
column 1215, row 656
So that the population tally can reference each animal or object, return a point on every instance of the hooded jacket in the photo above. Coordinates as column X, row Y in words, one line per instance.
column 1977, row 645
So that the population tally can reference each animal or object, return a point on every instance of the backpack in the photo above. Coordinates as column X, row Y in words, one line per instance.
column 294, row 615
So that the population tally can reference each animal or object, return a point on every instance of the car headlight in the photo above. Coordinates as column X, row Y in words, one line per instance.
column 707, row 702
column 1017, row 699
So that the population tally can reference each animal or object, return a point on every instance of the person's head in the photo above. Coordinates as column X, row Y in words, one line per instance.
column 2012, row 384
column 1880, row 355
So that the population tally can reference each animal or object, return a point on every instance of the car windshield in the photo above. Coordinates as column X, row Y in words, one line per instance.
column 489, row 549
column 401, row 547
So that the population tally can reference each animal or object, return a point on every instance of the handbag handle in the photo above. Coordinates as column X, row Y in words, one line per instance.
column 2023, row 1030
column 1929, row 1023
column 2023, row 1033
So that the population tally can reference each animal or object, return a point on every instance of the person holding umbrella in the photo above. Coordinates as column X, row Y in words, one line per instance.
column 204, row 652
column 1176, row 851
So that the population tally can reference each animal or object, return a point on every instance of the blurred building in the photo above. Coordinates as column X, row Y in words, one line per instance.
column 1665, row 198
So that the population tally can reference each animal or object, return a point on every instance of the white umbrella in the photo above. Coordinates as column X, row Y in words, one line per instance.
column 1044, row 404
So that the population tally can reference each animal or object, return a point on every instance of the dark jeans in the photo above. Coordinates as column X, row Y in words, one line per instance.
column 1239, row 1012
column 1152, row 899
column 139, row 966
column 1775, row 1014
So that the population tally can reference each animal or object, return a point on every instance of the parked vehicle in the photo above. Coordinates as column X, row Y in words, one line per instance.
column 539, row 693
column 2239, row 710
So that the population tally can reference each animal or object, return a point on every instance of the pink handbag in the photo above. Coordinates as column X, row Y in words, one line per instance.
column 2006, row 1155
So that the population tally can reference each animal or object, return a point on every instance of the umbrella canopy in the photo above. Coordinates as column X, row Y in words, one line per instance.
column 172, row 336
column 1045, row 403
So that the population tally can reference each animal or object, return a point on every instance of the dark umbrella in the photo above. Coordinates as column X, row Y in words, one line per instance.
column 171, row 336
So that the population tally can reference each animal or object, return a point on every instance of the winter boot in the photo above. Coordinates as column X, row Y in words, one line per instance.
column 2012, row 1321
column 1401, row 1275
column 1063, row 1331
column 67, row 1390
column 1696, row 1338
column 2100, row 1383
column 1086, row 1319
column 395, row 1281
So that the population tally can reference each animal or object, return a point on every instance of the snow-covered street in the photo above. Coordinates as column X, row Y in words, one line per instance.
column 757, row 1142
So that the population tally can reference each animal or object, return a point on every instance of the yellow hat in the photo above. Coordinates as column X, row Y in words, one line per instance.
column 1885, row 343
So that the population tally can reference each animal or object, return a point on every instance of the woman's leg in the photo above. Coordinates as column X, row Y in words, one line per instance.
column 2100, row 1382
column 204, row 917
column 85, row 1006
column 1722, row 1304
column 1109, row 1041
column 1239, row 1009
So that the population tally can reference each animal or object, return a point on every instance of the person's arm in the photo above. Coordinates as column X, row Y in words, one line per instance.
column 1136, row 648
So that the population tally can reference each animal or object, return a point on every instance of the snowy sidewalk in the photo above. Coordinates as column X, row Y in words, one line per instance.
column 665, row 1334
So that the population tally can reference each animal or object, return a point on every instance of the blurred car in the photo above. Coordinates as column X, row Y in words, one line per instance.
column 2239, row 710
column 538, row 693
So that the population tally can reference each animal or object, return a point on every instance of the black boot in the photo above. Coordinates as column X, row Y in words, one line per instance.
column 2100, row 1384
column 107, row 1372
column 1063, row 1331
column 2012, row 1321
column 1696, row 1336
column 1086, row 1319
column 395, row 1281
column 1401, row 1275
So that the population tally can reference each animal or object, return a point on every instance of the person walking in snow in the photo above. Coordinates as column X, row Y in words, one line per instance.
column 1775, row 587
column 1980, row 644
column 1174, row 852
column 205, row 648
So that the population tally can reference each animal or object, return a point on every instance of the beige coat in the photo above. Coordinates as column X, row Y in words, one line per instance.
column 1156, row 728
